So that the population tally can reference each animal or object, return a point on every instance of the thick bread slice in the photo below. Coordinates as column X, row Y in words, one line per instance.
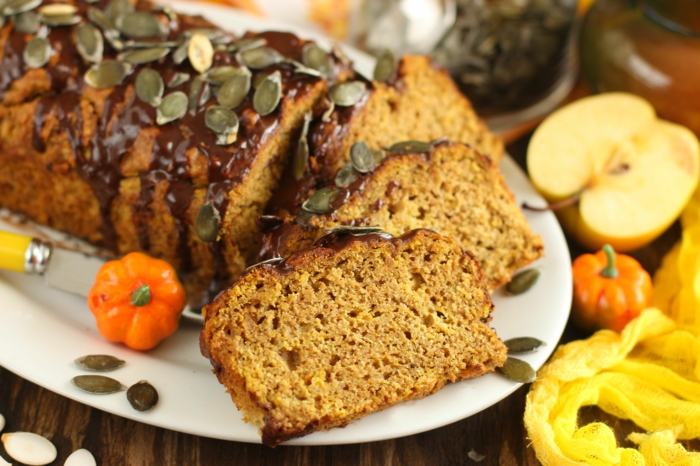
column 348, row 327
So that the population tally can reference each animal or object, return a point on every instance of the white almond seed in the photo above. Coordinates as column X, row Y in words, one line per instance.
column 30, row 449
column 80, row 457
column 2, row 422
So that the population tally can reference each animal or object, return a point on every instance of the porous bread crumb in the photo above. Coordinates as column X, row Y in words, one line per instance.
column 334, row 334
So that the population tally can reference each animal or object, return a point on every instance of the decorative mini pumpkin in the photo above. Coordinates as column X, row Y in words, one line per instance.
column 137, row 300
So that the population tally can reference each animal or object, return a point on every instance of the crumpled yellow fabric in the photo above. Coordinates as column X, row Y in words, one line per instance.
column 649, row 373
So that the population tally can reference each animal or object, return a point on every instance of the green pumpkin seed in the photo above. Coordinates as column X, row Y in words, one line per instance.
column 300, row 68
column 173, row 107
column 362, row 157
column 58, row 9
column 267, row 96
column 149, row 87
column 114, row 40
column 379, row 155
column 210, row 33
column 246, row 44
column 107, row 74
column 119, row 8
column 220, row 74
column 180, row 53
column 347, row 94
column 329, row 111
column 386, row 64
column 139, row 24
column 99, row 363
column 523, row 281
column 149, row 44
column 235, row 89
column 410, row 147
column 259, row 57
column 97, row 384
column 101, row 20
column 321, row 202
column 37, row 52
column 28, row 22
column 517, row 370
column 523, row 345
column 169, row 12
column 141, row 56
column 89, row 43
column 339, row 54
column 198, row 89
column 15, row 7
column 207, row 223
column 221, row 120
column 342, row 230
column 301, row 155
column 200, row 52
column 315, row 57
column 346, row 175
column 142, row 396
column 437, row 141
column 273, row 261
column 178, row 79
column 259, row 78
column 61, row 20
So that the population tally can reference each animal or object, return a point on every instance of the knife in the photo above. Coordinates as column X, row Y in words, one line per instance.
column 64, row 269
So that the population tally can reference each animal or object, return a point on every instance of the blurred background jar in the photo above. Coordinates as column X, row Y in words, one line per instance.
column 650, row 48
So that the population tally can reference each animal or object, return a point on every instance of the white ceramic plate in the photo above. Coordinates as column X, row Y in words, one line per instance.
column 43, row 330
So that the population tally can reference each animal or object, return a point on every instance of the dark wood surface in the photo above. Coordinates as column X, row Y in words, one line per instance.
column 497, row 432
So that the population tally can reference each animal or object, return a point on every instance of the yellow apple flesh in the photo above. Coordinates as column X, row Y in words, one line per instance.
column 633, row 172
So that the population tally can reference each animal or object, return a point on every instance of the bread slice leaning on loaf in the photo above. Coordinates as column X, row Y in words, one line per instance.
column 347, row 327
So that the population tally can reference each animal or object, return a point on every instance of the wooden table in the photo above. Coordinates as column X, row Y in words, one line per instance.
column 497, row 432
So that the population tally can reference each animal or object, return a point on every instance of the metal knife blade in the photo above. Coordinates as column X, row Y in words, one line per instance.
column 72, row 271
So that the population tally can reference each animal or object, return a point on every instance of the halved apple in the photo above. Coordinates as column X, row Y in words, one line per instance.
column 630, row 173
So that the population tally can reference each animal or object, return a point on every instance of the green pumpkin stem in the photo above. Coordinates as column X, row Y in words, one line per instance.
column 141, row 296
column 609, row 271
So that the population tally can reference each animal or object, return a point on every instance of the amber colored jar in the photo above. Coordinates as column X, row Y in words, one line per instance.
column 647, row 47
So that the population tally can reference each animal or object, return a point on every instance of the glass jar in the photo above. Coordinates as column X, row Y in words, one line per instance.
column 647, row 47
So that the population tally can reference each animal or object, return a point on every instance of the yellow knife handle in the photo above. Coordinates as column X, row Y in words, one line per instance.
column 22, row 253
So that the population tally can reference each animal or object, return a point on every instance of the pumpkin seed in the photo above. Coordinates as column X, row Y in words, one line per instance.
column 20, row 6
column 221, row 120
column 321, row 202
column 273, row 261
column 207, row 223
column 437, row 141
column 267, row 96
column 99, row 363
column 198, row 89
column 329, row 111
column 141, row 56
column 220, row 74
column 362, row 157
column 28, row 22
column 139, row 24
column 300, row 68
column 259, row 78
column 173, row 107
column 142, row 396
column 107, row 74
column 247, row 44
column 29, row 448
column 58, row 9
column 225, row 139
column 150, row 87
column 118, row 8
column 200, row 52
column 386, row 64
column 410, row 147
column 341, row 230
column 259, row 57
column 97, row 384
column 347, row 94
column 37, row 52
column 80, row 457
column 301, row 155
column 523, row 281
column 61, row 20
column 169, row 12
column 517, row 370
column 101, row 20
column 210, row 33
column 114, row 40
column 315, row 57
column 178, row 79
column 180, row 52
column 89, row 43
column 148, row 44
column 235, row 89
column 476, row 456
column 346, row 175
column 379, row 155
column 339, row 54
column 523, row 345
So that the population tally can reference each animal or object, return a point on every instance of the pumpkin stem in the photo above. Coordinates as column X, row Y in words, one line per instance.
column 609, row 271
column 141, row 296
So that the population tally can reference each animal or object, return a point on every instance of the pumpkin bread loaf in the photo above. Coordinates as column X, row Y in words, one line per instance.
column 86, row 154
column 350, row 326
column 447, row 187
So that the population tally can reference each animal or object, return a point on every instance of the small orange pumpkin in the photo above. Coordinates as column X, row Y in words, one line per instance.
column 609, row 290
column 137, row 300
